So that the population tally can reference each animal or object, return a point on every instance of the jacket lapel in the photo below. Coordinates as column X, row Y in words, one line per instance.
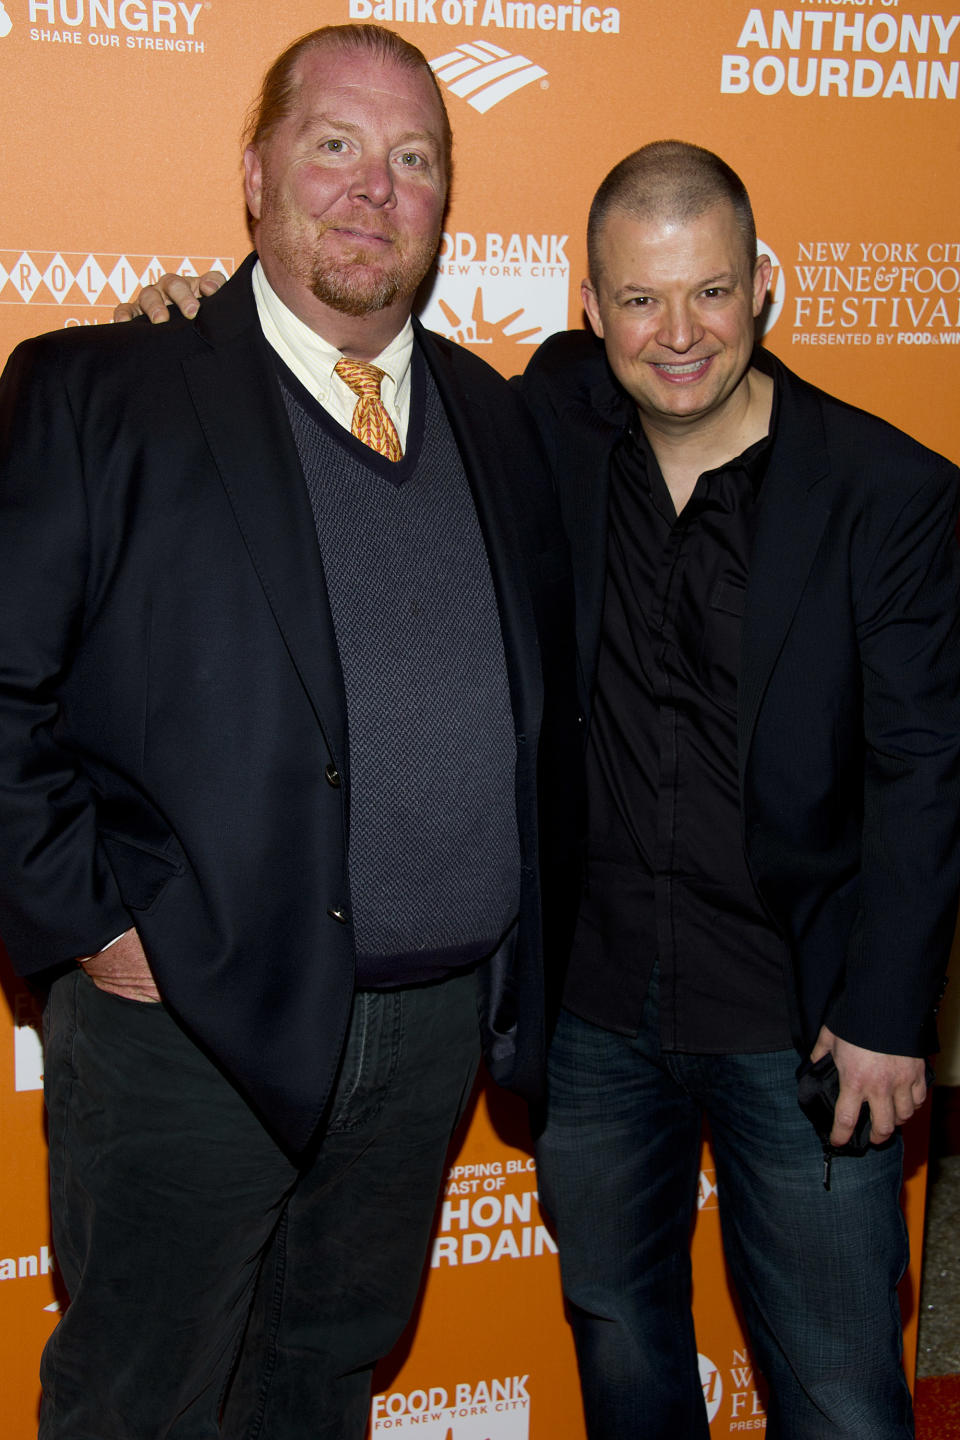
column 234, row 388
column 484, row 444
column 794, row 511
column 584, row 485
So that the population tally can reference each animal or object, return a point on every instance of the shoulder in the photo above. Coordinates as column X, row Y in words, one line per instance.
column 856, row 440
column 467, row 382
column 128, row 352
column 571, row 364
column 469, row 370
column 576, row 403
column 886, row 494
column 446, row 352
column 121, row 357
column 569, row 383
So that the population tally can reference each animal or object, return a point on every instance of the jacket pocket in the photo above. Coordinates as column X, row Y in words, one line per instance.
column 141, row 871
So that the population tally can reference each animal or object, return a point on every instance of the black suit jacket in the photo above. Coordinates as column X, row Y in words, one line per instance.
column 171, row 698
column 849, row 692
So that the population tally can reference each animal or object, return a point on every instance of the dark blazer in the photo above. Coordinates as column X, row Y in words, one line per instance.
column 173, row 743
column 849, row 692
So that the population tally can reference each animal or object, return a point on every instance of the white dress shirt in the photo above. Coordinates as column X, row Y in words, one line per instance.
column 312, row 360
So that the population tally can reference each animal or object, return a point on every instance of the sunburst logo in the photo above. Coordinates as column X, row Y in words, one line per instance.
column 492, row 288
column 479, row 330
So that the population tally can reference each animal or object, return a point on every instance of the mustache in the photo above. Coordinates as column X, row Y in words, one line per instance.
column 360, row 231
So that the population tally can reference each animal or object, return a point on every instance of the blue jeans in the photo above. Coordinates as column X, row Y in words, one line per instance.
column 208, row 1272
column 816, row 1271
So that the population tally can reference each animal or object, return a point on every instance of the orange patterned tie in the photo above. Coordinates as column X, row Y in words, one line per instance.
column 371, row 423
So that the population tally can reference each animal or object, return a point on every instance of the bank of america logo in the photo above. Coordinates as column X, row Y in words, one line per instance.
column 483, row 74
column 45, row 277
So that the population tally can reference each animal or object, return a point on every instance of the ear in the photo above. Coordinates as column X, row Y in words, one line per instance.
column 253, row 180
column 588, row 297
column 762, row 271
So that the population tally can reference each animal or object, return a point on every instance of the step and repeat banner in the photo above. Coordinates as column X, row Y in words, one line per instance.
column 122, row 122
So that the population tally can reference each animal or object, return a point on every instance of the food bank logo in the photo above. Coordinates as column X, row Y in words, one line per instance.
column 491, row 287
column 78, row 278
column 483, row 74
column 496, row 1409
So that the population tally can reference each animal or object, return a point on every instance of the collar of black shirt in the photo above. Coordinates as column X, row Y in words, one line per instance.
column 753, row 461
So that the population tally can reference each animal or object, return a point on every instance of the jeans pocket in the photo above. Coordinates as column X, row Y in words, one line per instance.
column 370, row 1059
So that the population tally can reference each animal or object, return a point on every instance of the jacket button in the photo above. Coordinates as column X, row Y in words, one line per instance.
column 339, row 915
column 332, row 776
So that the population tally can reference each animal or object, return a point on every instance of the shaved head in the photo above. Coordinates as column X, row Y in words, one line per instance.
column 668, row 180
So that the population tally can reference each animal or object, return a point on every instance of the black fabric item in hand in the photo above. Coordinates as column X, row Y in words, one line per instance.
column 818, row 1086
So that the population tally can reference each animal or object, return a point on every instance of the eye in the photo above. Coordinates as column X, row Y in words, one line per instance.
column 334, row 147
column 410, row 160
column 714, row 292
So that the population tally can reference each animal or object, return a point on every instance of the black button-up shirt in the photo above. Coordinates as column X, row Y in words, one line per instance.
column 667, row 879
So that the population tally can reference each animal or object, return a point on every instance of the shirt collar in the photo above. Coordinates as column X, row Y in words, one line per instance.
column 311, row 358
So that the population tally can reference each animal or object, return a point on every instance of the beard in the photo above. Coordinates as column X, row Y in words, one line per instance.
column 357, row 282
column 357, row 285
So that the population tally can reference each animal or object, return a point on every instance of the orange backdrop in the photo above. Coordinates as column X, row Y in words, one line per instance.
column 122, row 121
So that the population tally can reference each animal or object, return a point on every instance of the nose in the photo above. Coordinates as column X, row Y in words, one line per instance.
column 373, row 181
column 679, row 329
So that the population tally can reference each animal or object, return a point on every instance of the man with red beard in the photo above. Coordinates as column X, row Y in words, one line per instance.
column 288, row 774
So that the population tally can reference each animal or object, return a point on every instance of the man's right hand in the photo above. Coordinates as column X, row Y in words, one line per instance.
column 184, row 291
column 894, row 1086
column 123, row 970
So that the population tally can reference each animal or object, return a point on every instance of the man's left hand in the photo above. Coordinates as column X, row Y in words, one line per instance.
column 894, row 1086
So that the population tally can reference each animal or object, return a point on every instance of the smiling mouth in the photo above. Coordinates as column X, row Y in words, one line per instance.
column 685, row 371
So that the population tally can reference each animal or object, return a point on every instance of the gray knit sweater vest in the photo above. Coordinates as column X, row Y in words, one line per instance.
column 433, row 852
